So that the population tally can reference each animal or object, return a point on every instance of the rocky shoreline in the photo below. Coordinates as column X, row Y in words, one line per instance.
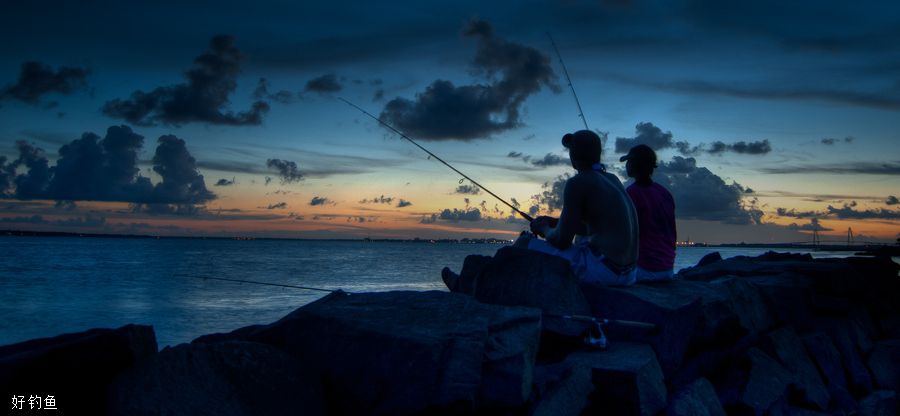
column 776, row 334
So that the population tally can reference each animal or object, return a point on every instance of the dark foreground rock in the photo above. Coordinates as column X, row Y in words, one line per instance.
column 75, row 368
column 228, row 378
column 772, row 335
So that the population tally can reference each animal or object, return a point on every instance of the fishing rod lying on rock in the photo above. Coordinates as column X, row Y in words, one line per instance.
column 594, row 337
column 385, row 124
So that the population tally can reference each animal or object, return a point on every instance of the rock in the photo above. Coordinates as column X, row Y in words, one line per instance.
column 753, row 384
column 627, row 379
column 784, row 345
column 519, row 277
column 76, row 367
column 879, row 403
column 225, row 378
column 675, row 315
column 561, row 389
column 828, row 361
column 697, row 398
column 850, row 341
column 406, row 352
column 709, row 259
column 884, row 362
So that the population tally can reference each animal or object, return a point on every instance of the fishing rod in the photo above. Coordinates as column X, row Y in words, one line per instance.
column 569, row 80
column 256, row 282
column 524, row 215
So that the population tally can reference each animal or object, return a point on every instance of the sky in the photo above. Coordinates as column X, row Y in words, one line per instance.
column 772, row 120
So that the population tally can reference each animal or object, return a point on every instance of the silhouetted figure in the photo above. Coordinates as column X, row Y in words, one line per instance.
column 656, row 216
column 597, row 209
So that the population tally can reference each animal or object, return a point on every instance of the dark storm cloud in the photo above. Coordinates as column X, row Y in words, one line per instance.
column 429, row 219
column 95, row 169
column 262, row 93
column 831, row 140
column 37, row 80
column 862, row 168
column 403, row 203
column 883, row 101
column 648, row 134
column 467, row 190
column 324, row 84
column 224, row 182
column 702, row 195
column 456, row 215
column 287, row 170
column 847, row 211
column 813, row 225
column 892, row 200
column 751, row 148
column 548, row 160
column 7, row 172
column 794, row 213
column 445, row 111
column 203, row 98
column 279, row 205
column 378, row 200
column 317, row 200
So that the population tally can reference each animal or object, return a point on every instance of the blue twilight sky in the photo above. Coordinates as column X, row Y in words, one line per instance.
column 771, row 120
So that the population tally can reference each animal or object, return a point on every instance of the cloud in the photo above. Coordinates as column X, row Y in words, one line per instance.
column 317, row 200
column 648, row 134
column 549, row 159
column 891, row 200
column 324, row 84
column 37, row 79
column 467, row 190
column 224, row 182
column 403, row 203
column 445, row 111
column 429, row 219
column 862, row 168
column 378, row 200
column 287, row 170
column 750, row 148
column 262, row 93
column 702, row 195
column 279, row 205
column 456, row 215
column 95, row 169
column 794, row 213
column 85, row 221
column 203, row 98
column 813, row 225
column 847, row 212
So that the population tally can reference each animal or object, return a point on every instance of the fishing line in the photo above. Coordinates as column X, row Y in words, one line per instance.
column 255, row 282
column 385, row 124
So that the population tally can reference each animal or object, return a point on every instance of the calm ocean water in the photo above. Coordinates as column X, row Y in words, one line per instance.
column 66, row 284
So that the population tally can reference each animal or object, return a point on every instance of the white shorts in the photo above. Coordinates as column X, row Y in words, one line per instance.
column 587, row 267
column 644, row 275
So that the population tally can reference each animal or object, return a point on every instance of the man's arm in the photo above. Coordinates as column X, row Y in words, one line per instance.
column 570, row 219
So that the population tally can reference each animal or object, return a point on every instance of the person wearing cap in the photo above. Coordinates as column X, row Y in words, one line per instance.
column 656, row 216
column 597, row 209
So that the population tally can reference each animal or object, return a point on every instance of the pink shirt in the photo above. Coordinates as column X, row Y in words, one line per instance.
column 656, row 221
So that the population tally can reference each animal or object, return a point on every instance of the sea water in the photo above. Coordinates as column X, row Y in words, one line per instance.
column 54, row 285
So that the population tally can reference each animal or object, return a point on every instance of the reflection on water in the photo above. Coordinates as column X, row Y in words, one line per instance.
column 57, row 285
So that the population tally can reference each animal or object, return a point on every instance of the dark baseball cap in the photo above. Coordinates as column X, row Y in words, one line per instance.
column 640, row 153
column 583, row 145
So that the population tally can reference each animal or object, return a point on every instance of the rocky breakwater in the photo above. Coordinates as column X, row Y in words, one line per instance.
column 775, row 334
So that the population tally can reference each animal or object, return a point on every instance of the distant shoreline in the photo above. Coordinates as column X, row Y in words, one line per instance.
column 825, row 247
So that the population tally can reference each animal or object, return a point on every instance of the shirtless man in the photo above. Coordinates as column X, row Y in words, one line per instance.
column 597, row 209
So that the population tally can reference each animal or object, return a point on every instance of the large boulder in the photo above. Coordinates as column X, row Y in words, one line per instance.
column 406, row 352
column 695, row 399
column 560, row 389
column 879, row 403
column 226, row 378
column 627, row 379
column 828, row 361
column 852, row 343
column 786, row 346
column 676, row 314
column 76, row 368
column 884, row 362
column 519, row 277
column 753, row 384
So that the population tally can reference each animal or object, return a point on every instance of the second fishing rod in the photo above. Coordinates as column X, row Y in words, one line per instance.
column 403, row 135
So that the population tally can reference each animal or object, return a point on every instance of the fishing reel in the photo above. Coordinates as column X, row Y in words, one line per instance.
column 595, row 338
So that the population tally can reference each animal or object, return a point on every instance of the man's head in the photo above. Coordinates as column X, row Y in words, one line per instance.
column 641, row 161
column 584, row 148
